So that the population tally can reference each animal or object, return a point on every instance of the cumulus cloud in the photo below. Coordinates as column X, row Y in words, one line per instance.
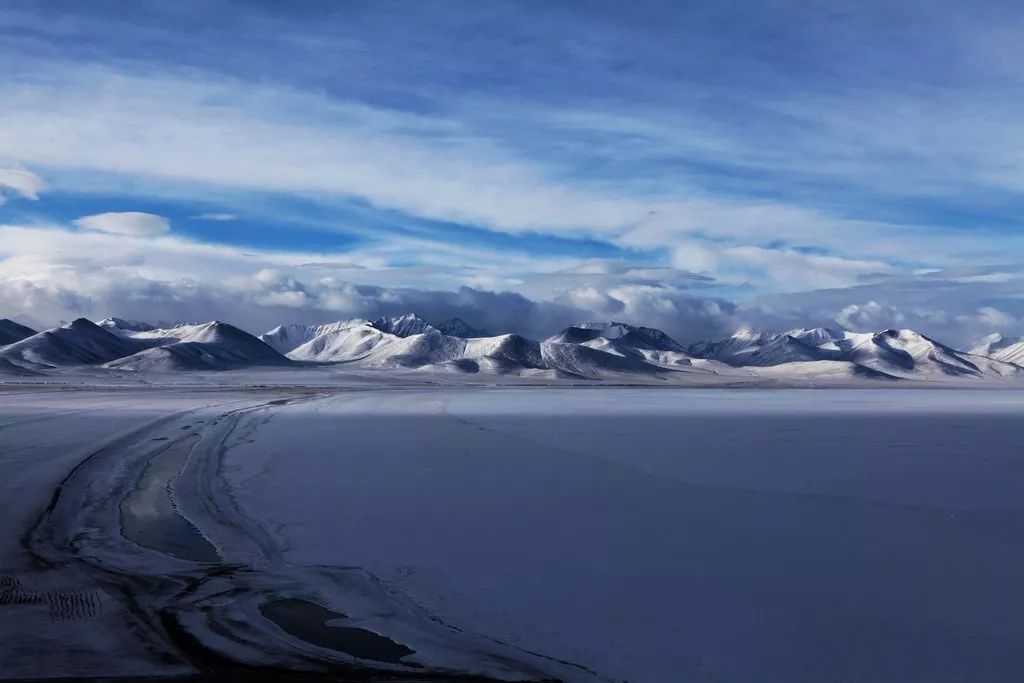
column 125, row 223
column 991, row 318
column 938, row 304
column 48, row 274
column 869, row 316
column 19, row 182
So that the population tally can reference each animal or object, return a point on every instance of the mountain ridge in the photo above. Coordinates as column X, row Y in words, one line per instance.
column 584, row 350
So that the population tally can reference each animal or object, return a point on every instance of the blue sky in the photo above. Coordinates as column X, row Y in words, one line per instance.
column 697, row 166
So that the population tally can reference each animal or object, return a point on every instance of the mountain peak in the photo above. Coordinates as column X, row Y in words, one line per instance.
column 113, row 323
column 405, row 325
column 11, row 332
column 80, row 324
column 623, row 334
column 457, row 327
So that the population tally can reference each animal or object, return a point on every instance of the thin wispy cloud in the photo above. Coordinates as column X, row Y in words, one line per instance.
column 215, row 216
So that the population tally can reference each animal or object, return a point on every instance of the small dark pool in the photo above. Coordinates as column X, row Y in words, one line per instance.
column 308, row 621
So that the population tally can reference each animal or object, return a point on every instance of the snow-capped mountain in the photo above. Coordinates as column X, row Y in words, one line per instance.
column 457, row 327
column 587, row 350
column 11, row 332
column 998, row 347
column 752, row 348
column 403, row 325
column 80, row 342
column 122, row 327
column 341, row 344
column 625, row 348
column 285, row 338
column 626, row 336
column 207, row 346
column 896, row 353
column 590, row 350
column 368, row 345
column 504, row 354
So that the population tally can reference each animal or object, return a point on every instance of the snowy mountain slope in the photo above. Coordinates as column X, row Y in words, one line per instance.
column 762, row 349
column 909, row 353
column 998, row 347
column 191, row 356
column 505, row 353
column 9, row 369
column 122, row 327
column 583, row 361
column 510, row 348
column 903, row 353
column 403, row 325
column 638, row 347
column 11, row 332
column 80, row 342
column 343, row 344
column 622, row 334
column 592, row 350
column 370, row 345
column 208, row 346
column 457, row 327
column 821, row 369
column 286, row 338
column 415, row 350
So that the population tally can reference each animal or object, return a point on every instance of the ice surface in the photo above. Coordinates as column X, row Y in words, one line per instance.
column 601, row 534
column 674, row 535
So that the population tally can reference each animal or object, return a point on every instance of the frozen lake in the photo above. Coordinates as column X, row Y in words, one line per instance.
column 648, row 535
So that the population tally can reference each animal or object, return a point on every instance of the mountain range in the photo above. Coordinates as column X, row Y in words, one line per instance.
column 588, row 350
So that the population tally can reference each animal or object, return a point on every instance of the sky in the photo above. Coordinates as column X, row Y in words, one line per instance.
column 694, row 166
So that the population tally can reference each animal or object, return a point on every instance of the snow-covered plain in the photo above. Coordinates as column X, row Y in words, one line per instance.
column 516, row 533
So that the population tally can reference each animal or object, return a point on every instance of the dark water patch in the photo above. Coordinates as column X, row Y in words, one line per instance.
column 149, row 516
column 308, row 621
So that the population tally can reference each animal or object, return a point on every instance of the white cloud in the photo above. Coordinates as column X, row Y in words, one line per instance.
column 593, row 299
column 240, row 135
column 216, row 216
column 871, row 316
column 50, row 273
column 192, row 132
column 792, row 270
column 20, row 182
column 125, row 223
column 996, row 277
column 993, row 317
column 693, row 256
